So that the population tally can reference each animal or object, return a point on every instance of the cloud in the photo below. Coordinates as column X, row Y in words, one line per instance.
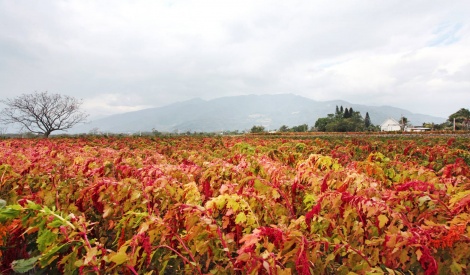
column 411, row 54
column 108, row 104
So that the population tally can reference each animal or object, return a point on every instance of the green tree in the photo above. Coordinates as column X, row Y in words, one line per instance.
column 404, row 122
column 346, row 113
column 428, row 125
column 300, row 128
column 321, row 123
column 258, row 129
column 367, row 121
column 284, row 128
column 350, row 121
column 462, row 119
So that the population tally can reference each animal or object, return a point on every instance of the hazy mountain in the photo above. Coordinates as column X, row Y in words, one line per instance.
column 240, row 113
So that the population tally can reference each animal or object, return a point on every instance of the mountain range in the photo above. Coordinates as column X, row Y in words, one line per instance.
column 239, row 113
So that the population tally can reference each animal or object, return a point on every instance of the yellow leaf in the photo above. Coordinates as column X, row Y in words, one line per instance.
column 382, row 220
column 456, row 268
column 90, row 254
column 418, row 254
column 404, row 258
column 270, row 247
column 135, row 195
column 107, row 211
column 286, row 271
column 143, row 228
column 78, row 263
column 430, row 223
column 241, row 218
column 330, row 258
column 119, row 258
column 233, row 204
column 243, row 257
column 392, row 241
column 259, row 186
column 220, row 201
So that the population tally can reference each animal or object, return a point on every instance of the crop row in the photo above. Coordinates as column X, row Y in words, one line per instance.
column 249, row 205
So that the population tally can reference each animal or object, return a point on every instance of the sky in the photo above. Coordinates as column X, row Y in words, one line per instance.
column 119, row 56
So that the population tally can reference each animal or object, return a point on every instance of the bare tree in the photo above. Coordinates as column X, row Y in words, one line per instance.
column 43, row 113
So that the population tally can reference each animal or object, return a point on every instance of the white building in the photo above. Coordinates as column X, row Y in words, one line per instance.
column 390, row 125
column 417, row 129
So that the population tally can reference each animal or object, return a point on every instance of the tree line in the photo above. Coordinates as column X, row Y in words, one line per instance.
column 348, row 120
column 344, row 120
column 43, row 113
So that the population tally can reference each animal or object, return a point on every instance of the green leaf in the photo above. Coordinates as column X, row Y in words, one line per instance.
column 48, row 257
column 68, row 261
column 32, row 205
column 10, row 212
column 163, row 268
column 24, row 265
column 309, row 200
column 56, row 223
column 45, row 238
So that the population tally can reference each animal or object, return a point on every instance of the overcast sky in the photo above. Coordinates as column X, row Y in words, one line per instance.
column 127, row 55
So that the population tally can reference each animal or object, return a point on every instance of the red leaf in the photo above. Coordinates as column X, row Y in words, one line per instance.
column 302, row 263
column 428, row 263
column 310, row 214
column 416, row 185
column 324, row 184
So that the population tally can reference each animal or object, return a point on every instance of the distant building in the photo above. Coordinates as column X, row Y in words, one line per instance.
column 390, row 125
column 417, row 129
